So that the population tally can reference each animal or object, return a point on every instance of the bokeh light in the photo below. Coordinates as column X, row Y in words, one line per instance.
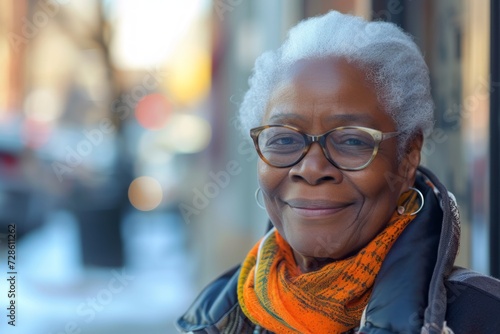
column 187, row 134
column 34, row 133
column 189, row 74
column 145, row 193
column 43, row 105
column 153, row 111
column 144, row 37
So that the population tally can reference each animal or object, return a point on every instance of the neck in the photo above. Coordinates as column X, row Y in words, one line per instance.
column 309, row 264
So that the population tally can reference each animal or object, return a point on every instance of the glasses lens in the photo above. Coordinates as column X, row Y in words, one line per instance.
column 281, row 146
column 350, row 147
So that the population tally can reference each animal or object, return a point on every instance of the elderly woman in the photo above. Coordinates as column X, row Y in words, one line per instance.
column 363, row 239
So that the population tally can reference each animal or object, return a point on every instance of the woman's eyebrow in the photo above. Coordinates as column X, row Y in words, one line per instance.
column 281, row 116
column 347, row 117
column 350, row 117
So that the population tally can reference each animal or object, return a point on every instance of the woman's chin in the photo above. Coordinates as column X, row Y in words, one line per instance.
column 315, row 240
column 319, row 248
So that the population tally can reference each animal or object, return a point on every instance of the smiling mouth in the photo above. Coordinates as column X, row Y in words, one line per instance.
column 315, row 208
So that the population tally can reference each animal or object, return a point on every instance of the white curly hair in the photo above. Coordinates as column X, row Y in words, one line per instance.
column 392, row 61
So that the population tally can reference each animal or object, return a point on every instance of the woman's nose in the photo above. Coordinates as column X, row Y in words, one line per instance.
column 315, row 168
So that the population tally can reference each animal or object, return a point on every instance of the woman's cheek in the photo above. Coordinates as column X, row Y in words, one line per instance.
column 270, row 179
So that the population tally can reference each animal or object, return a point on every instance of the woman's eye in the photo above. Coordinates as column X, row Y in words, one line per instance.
column 354, row 142
column 282, row 141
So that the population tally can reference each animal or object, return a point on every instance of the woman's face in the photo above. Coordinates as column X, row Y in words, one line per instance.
column 324, row 212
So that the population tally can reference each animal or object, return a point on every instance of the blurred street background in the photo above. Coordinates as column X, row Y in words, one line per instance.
column 124, row 169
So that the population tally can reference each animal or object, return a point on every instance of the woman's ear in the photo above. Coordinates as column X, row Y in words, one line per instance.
column 411, row 159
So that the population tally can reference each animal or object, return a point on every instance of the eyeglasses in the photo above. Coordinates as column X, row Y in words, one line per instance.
column 347, row 147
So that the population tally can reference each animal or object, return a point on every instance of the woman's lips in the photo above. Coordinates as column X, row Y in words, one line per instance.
column 315, row 208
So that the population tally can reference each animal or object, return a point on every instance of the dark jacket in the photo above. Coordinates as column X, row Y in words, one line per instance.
column 417, row 290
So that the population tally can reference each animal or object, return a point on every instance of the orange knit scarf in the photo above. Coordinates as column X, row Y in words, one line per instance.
column 279, row 297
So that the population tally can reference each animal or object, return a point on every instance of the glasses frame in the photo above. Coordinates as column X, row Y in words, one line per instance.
column 378, row 137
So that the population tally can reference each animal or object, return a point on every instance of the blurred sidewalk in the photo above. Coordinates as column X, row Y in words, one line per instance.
column 56, row 295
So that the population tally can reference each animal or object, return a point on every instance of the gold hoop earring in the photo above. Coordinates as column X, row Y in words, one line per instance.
column 260, row 204
column 410, row 202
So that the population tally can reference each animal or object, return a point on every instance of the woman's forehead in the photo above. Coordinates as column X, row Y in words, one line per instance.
column 329, row 88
